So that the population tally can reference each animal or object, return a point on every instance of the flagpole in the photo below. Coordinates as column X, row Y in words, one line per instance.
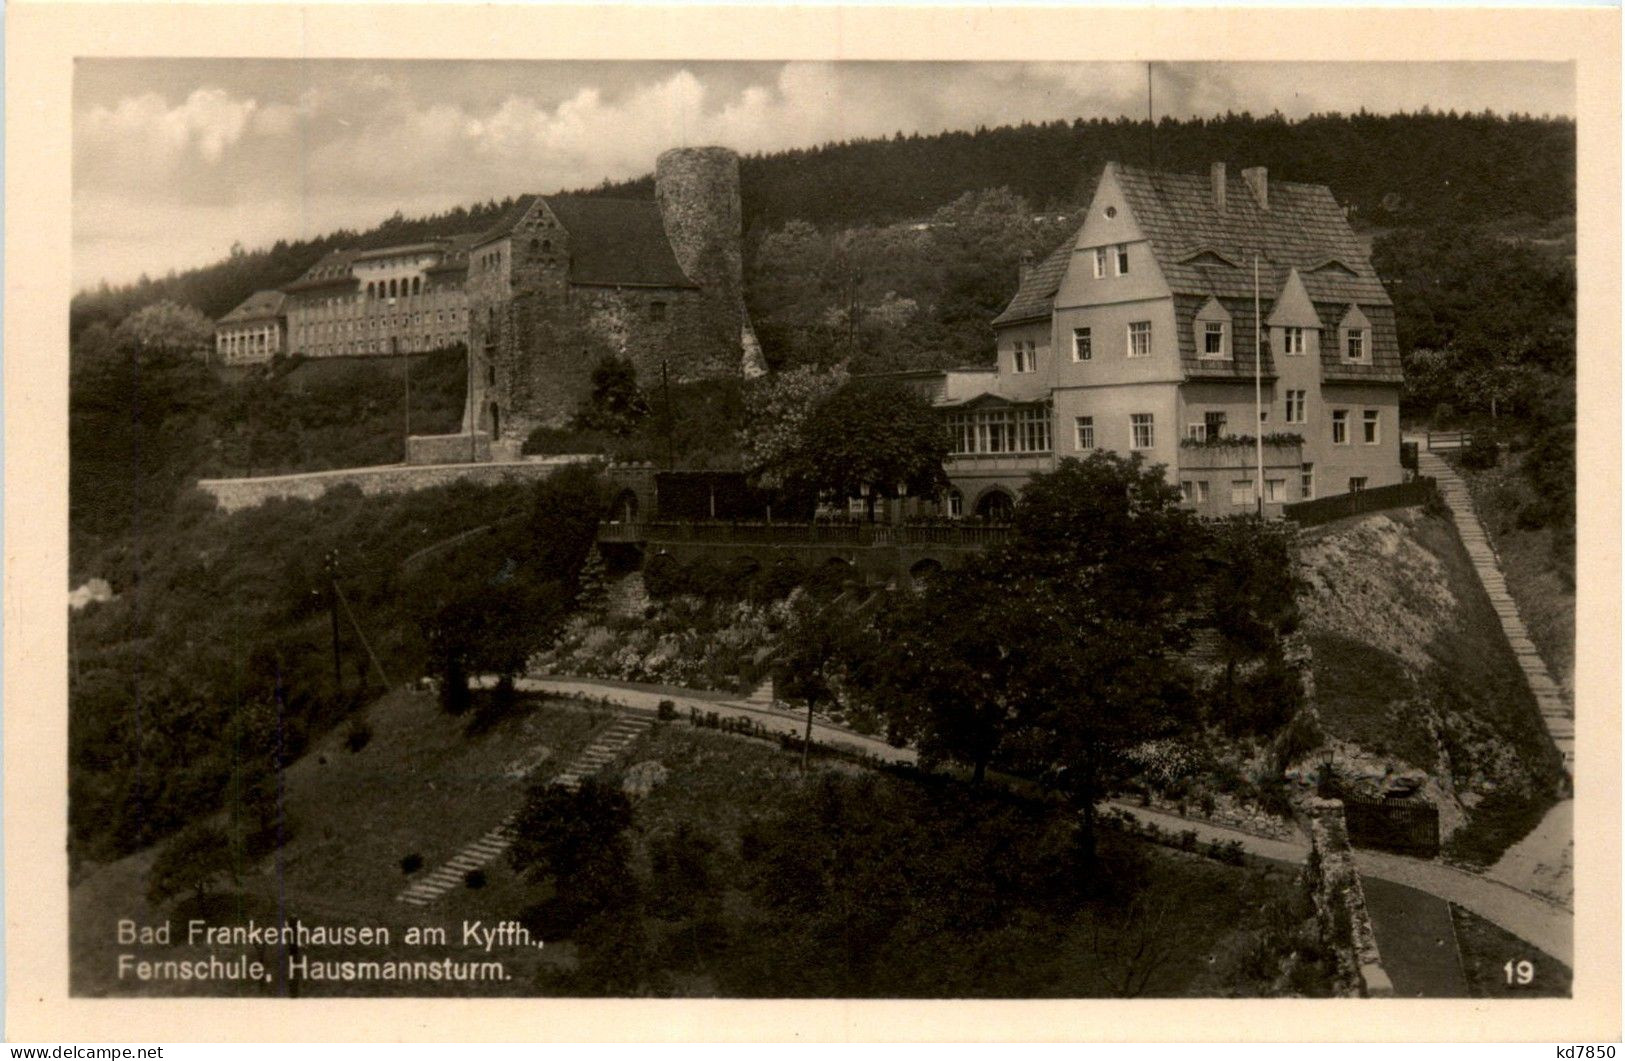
column 1258, row 384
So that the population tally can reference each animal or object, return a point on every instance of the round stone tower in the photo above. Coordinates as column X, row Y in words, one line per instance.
column 697, row 189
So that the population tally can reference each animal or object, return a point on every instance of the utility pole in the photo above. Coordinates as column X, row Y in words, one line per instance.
column 665, row 388
column 1258, row 384
column 331, row 565
column 473, row 423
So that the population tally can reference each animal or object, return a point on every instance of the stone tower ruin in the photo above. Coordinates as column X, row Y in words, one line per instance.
column 697, row 191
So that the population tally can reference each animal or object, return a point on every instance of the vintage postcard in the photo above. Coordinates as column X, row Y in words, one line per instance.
column 799, row 515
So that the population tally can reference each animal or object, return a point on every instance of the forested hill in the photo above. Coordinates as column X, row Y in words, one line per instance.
column 1432, row 168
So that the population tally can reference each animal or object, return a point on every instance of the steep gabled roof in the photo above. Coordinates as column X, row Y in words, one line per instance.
column 1036, row 295
column 1303, row 227
column 618, row 242
column 613, row 242
column 261, row 305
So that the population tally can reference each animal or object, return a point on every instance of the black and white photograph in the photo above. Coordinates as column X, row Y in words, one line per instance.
column 785, row 529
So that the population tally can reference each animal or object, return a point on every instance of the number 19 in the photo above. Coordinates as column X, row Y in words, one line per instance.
column 1521, row 972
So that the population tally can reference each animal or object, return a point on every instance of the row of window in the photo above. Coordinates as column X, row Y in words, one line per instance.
column 1024, row 429
column 1142, row 431
column 1215, row 344
column 395, row 287
column 406, row 344
column 1242, row 491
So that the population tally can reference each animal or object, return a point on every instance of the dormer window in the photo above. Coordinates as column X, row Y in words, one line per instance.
column 1122, row 259
column 1100, row 262
column 1212, row 327
column 1354, row 336
column 1026, row 356
column 1292, row 342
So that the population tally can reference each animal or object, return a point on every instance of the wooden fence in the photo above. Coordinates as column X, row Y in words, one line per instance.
column 1449, row 440
column 1325, row 509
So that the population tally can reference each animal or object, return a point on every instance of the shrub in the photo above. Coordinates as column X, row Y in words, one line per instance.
column 474, row 878
column 358, row 735
column 1187, row 840
column 411, row 863
column 666, row 711
column 1481, row 452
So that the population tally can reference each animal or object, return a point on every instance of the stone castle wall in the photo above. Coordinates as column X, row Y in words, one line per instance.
column 537, row 338
column 234, row 494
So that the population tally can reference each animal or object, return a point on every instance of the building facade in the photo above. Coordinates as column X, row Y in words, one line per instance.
column 563, row 282
column 1189, row 315
column 390, row 300
column 254, row 332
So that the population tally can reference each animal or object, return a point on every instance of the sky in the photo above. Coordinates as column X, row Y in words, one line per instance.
column 177, row 159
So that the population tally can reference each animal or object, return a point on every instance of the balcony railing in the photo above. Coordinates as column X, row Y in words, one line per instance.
column 950, row 535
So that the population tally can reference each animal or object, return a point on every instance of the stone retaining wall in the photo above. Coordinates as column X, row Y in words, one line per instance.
column 448, row 449
column 1340, row 901
column 234, row 494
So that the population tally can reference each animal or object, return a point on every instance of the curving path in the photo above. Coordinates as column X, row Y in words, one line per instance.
column 1530, row 918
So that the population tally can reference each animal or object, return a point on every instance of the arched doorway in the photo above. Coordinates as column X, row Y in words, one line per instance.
column 625, row 508
column 996, row 505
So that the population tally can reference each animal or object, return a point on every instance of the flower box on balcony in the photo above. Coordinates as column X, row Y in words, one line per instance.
column 1236, row 451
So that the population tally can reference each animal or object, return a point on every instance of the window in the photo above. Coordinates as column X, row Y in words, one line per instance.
column 1100, row 262
column 1213, row 339
column 1241, row 491
column 1122, row 259
column 1340, row 427
column 1213, row 425
column 956, row 504
column 1026, row 356
column 1142, row 431
column 1082, row 345
column 1201, row 491
column 1369, row 426
column 657, row 311
column 1139, row 339
column 1306, row 479
column 1187, row 491
column 961, row 433
column 1086, row 432
column 1354, row 349
column 1032, row 434
column 1292, row 342
column 1296, row 400
column 1356, row 484
column 1274, row 489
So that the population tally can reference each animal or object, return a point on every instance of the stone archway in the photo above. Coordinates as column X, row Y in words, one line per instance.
column 995, row 504
column 625, row 507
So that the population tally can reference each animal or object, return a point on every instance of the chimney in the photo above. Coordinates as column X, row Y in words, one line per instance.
column 1217, row 169
column 1026, row 267
column 1258, row 179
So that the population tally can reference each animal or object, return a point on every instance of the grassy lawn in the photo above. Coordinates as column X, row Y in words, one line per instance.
column 1485, row 951
column 421, row 785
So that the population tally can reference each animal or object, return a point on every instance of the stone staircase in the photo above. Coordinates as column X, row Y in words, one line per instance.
column 487, row 848
column 1555, row 709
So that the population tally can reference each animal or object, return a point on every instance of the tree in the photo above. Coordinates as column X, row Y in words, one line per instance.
column 810, row 654
column 1254, row 590
column 776, row 409
column 615, row 404
column 872, row 439
column 165, row 328
column 946, row 664
column 198, row 856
